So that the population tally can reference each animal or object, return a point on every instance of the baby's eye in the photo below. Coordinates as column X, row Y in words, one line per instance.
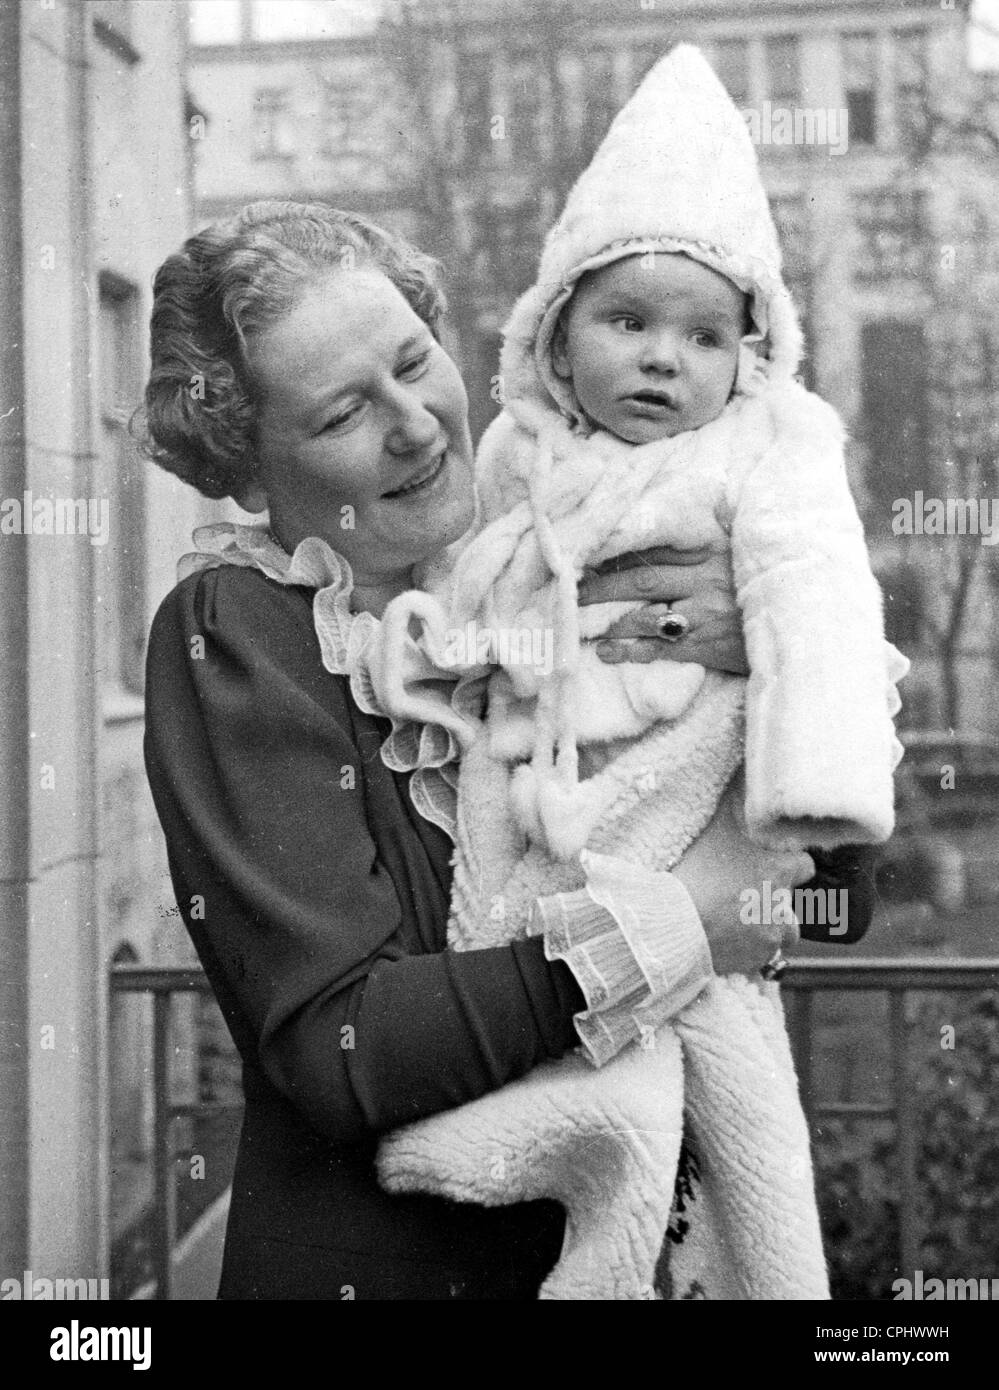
column 705, row 338
column 414, row 367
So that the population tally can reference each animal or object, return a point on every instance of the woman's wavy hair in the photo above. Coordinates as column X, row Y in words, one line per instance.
column 227, row 283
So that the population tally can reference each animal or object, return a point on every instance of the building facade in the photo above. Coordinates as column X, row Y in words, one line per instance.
column 463, row 123
column 95, row 189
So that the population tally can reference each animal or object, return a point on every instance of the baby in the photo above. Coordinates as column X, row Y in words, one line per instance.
column 650, row 400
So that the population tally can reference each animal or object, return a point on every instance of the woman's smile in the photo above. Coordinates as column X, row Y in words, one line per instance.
column 423, row 481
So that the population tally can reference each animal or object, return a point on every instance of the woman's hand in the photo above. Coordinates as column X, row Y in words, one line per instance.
column 696, row 583
column 719, row 867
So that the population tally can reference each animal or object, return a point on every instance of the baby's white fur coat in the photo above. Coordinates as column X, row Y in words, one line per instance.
column 606, row 1142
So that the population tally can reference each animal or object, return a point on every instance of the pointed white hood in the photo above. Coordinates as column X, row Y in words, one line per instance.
column 677, row 172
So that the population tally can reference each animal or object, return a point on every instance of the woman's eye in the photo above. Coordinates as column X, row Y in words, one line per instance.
column 414, row 367
column 344, row 418
column 629, row 324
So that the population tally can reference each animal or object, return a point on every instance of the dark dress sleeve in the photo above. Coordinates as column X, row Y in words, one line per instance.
column 850, row 870
column 331, row 969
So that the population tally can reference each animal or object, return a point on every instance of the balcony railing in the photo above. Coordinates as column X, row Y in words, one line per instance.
column 897, row 978
column 163, row 982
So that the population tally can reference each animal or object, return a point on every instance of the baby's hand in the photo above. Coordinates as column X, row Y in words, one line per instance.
column 696, row 584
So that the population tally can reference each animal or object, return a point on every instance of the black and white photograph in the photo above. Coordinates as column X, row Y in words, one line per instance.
column 499, row 556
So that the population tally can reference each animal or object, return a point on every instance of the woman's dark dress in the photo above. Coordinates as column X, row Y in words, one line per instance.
column 317, row 899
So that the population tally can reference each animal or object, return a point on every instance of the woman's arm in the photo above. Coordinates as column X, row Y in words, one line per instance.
column 329, row 961
column 333, row 968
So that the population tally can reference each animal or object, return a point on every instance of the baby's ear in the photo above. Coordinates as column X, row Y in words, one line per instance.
column 751, row 372
column 560, row 354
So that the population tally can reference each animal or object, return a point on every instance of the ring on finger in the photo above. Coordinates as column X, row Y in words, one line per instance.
column 775, row 966
column 672, row 626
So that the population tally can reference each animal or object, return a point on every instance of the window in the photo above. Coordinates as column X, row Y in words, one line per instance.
column 910, row 63
column 904, row 604
column 478, row 109
column 859, row 88
column 790, row 215
column 644, row 59
column 514, row 244
column 351, row 117
column 894, row 409
column 731, row 62
column 527, row 107
column 273, row 131
column 274, row 20
column 214, row 21
column 600, row 103
column 121, row 480
column 976, row 248
column 891, row 224
column 783, row 69
column 966, row 387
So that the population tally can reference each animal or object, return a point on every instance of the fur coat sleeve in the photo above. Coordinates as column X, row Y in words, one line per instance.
column 820, row 743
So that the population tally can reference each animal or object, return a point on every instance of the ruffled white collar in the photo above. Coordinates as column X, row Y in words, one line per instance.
column 429, row 751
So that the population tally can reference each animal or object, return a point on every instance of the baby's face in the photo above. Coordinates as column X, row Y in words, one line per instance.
column 651, row 345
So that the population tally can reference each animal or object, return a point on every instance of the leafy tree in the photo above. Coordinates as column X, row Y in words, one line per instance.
column 949, row 143
column 493, row 163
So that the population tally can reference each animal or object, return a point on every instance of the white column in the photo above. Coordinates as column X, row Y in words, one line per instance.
column 14, row 838
column 67, row 985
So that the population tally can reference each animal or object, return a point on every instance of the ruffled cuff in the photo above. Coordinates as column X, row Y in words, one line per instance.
column 634, row 942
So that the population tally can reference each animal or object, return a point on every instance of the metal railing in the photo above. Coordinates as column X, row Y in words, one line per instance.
column 898, row 978
column 163, row 982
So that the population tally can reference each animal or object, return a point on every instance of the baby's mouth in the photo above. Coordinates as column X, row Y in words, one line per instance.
column 653, row 400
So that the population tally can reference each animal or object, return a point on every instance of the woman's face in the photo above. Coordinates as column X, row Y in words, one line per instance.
column 362, row 428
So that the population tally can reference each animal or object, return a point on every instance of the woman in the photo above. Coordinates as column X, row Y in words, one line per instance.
column 296, row 367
